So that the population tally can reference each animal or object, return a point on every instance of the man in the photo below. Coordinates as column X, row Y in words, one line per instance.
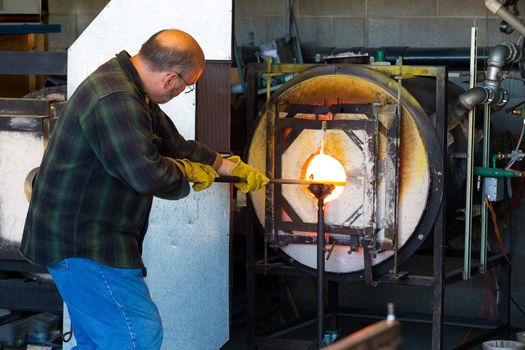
column 112, row 150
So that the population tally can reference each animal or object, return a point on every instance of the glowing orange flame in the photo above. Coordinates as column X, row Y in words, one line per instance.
column 323, row 167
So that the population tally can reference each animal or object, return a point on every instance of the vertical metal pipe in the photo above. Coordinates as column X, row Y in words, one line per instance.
column 505, row 293
column 470, row 159
column 438, row 295
column 320, row 272
column 269, row 207
column 288, row 35
column 295, row 35
column 484, row 212
column 268, row 81
column 252, row 108
column 397, row 125
column 251, row 287
column 239, row 64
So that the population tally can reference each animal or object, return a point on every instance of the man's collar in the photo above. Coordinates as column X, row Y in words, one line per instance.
column 123, row 58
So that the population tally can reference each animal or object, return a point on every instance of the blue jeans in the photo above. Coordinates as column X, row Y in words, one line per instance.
column 110, row 308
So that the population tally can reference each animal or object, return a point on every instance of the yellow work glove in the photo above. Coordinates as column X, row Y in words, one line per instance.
column 254, row 180
column 201, row 175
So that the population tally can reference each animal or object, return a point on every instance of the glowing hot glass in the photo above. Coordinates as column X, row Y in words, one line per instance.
column 323, row 167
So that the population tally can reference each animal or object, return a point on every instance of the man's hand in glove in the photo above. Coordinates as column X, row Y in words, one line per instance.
column 253, row 180
column 201, row 175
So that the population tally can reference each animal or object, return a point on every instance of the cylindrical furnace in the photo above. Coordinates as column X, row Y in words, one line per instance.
column 383, row 140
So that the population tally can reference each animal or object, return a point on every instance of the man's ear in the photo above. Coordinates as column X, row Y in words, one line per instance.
column 169, row 79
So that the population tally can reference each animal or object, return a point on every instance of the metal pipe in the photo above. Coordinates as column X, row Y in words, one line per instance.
column 495, row 158
column 306, row 182
column 239, row 64
column 469, row 99
column 399, row 113
column 495, row 62
column 320, row 271
column 484, row 212
column 236, row 179
column 288, row 24
column 500, row 56
column 320, row 192
column 452, row 57
column 295, row 33
column 498, row 9
column 490, row 91
column 467, row 259
column 494, row 172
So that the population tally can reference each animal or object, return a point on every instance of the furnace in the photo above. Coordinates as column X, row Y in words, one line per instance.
column 352, row 116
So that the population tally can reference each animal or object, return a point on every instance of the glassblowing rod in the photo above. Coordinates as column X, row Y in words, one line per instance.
column 236, row 179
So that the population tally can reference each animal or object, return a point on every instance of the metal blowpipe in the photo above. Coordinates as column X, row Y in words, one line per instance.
column 235, row 179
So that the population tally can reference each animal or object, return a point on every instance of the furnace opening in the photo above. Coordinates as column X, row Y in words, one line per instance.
column 323, row 167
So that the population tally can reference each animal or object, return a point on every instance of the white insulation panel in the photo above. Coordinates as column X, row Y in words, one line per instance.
column 187, row 256
column 20, row 152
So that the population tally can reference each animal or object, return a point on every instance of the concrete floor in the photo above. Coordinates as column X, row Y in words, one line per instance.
column 414, row 336
column 463, row 299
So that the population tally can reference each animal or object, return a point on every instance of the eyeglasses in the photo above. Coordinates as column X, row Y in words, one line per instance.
column 189, row 88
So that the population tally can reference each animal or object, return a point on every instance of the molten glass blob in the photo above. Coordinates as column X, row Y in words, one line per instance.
column 323, row 167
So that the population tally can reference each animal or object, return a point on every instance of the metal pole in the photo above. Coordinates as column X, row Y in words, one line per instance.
column 470, row 159
column 397, row 123
column 288, row 24
column 239, row 64
column 438, row 295
column 505, row 293
column 251, row 288
column 484, row 213
column 236, row 179
column 295, row 34
column 270, row 169
column 320, row 272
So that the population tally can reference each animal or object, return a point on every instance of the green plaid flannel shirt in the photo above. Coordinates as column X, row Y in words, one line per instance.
column 106, row 159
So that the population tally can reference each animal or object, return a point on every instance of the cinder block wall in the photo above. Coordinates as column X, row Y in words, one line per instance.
column 329, row 23
column 74, row 16
column 370, row 23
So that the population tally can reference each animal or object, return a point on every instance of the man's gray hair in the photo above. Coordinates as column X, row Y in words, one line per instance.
column 163, row 58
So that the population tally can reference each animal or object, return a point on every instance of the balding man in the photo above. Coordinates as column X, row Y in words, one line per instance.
column 112, row 150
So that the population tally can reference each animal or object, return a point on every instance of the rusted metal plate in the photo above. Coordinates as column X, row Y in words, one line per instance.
column 213, row 106
column 25, row 106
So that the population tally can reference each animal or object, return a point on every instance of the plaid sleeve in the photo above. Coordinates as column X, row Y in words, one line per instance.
column 175, row 146
column 120, row 133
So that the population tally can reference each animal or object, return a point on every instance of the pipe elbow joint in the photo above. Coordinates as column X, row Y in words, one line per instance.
column 469, row 99
column 473, row 97
column 479, row 95
column 498, row 55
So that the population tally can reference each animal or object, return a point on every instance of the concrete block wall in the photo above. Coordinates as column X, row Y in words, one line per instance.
column 74, row 16
column 329, row 23
column 370, row 23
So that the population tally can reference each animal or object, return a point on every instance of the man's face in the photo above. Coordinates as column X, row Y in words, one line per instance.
column 173, row 84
